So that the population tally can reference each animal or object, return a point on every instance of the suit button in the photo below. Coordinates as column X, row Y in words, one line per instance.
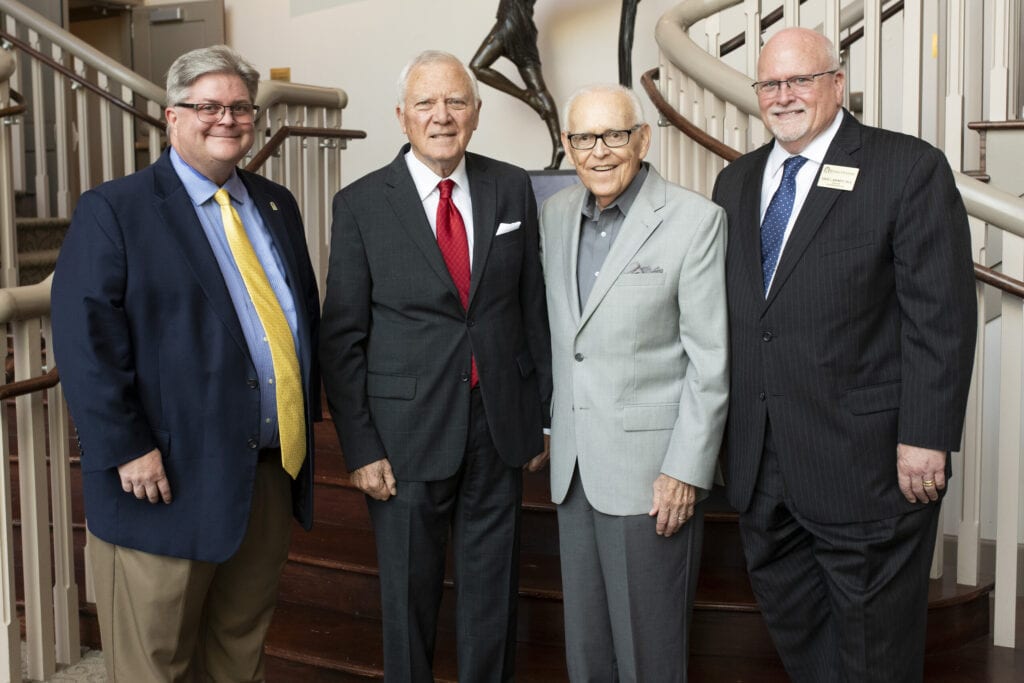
column 252, row 383
column 470, row 323
column 253, row 444
column 763, row 396
column 766, row 337
column 464, row 377
column 579, row 357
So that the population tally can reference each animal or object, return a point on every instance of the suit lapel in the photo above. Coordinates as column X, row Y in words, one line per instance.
column 484, row 195
column 748, row 233
column 179, row 216
column 640, row 222
column 570, row 245
column 403, row 199
column 817, row 205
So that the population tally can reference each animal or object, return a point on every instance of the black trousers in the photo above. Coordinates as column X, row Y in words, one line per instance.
column 844, row 602
column 480, row 507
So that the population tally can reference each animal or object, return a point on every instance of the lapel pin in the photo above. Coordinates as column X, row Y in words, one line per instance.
column 273, row 206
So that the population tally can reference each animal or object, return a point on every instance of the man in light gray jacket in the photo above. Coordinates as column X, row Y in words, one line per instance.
column 635, row 274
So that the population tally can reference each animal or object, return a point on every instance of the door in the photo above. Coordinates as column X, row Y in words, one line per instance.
column 163, row 32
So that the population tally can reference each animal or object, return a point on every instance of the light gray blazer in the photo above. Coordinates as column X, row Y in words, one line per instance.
column 641, row 374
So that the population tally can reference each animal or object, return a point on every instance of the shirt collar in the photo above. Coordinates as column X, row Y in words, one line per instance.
column 426, row 180
column 201, row 189
column 814, row 151
column 622, row 202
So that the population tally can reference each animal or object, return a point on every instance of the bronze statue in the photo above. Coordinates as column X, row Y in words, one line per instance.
column 514, row 37
column 626, row 23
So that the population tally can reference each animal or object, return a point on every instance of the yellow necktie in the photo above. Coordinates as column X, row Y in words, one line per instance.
column 291, row 415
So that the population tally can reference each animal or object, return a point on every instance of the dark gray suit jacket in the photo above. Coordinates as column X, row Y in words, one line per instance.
column 867, row 336
column 397, row 342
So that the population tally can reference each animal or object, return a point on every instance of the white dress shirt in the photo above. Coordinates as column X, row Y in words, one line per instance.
column 426, row 187
column 815, row 154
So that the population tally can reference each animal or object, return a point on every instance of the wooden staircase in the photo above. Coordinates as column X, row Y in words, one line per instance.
column 327, row 625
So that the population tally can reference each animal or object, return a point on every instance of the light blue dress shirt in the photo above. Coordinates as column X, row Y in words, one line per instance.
column 201, row 190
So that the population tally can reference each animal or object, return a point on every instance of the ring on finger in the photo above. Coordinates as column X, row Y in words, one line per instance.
column 928, row 483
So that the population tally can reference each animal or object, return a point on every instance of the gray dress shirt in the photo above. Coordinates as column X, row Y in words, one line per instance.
column 598, row 230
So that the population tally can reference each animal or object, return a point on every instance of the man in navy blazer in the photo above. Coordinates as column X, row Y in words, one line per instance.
column 851, row 359
column 165, row 364
column 439, row 383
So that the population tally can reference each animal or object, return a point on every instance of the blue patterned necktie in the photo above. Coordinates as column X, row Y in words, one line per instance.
column 773, row 228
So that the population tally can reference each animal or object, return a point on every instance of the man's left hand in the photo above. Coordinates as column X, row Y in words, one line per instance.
column 921, row 472
column 538, row 461
column 673, row 504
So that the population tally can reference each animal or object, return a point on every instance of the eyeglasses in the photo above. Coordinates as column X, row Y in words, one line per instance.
column 211, row 112
column 797, row 84
column 611, row 138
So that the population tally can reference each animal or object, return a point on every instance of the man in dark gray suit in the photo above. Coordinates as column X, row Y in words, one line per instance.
column 852, row 325
column 438, row 372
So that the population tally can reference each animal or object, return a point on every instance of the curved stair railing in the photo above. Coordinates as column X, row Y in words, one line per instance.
column 107, row 121
column 704, row 94
column 40, row 433
column 100, row 121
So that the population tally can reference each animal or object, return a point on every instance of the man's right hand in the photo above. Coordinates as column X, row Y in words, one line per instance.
column 145, row 478
column 375, row 480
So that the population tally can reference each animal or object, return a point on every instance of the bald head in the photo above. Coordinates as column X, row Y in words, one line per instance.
column 798, row 111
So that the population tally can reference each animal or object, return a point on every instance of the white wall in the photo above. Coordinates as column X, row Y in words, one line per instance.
column 360, row 46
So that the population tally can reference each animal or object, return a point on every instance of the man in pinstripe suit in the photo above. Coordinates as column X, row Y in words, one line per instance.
column 852, row 327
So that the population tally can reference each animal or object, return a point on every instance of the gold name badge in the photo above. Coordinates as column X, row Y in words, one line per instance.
column 838, row 177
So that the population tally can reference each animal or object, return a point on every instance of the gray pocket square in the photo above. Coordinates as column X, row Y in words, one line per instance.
column 636, row 267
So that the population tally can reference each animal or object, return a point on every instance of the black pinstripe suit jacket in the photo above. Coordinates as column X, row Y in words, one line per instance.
column 866, row 339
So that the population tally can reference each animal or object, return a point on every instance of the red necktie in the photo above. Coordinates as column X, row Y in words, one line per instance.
column 451, row 239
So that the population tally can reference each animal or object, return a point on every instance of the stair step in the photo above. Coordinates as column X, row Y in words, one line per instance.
column 41, row 234
column 343, row 644
column 325, row 646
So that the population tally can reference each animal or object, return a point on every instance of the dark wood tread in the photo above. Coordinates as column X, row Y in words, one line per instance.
column 340, row 642
column 347, row 549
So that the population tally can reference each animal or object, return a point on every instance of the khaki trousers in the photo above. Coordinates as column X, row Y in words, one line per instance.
column 169, row 620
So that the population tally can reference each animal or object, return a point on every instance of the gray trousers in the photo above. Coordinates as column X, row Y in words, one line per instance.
column 628, row 593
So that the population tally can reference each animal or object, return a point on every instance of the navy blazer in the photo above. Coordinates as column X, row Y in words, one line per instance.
column 867, row 336
column 151, row 355
column 396, row 342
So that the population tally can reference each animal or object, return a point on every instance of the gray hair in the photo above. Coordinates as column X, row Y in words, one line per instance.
column 433, row 57
column 610, row 88
column 216, row 59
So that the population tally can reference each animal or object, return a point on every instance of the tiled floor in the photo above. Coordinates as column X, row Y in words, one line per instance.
column 88, row 670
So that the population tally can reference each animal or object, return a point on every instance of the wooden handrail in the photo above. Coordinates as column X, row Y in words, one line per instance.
column 1000, row 281
column 29, row 386
column 17, row 109
column 739, row 40
column 996, row 125
column 669, row 114
column 71, row 75
column 991, row 277
column 854, row 36
column 278, row 138
column 775, row 16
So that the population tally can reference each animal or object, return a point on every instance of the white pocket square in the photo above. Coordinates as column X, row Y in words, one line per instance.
column 507, row 227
